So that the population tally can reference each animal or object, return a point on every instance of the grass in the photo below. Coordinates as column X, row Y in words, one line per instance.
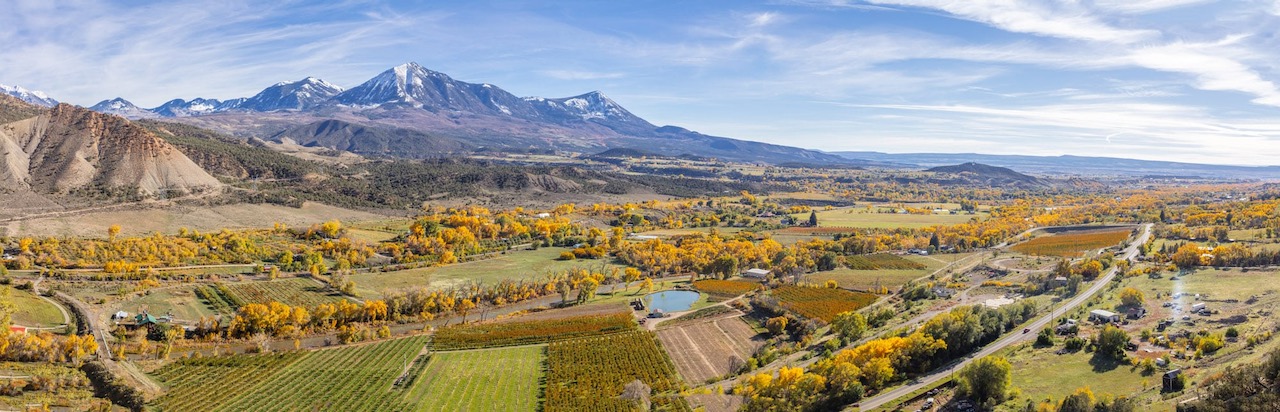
column 861, row 217
column 481, row 380
column 179, row 300
column 291, row 291
column 1069, row 372
column 32, row 311
column 893, row 279
column 522, row 264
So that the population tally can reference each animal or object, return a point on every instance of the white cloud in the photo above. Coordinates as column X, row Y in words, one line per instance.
column 1211, row 67
column 1145, row 6
column 1065, row 20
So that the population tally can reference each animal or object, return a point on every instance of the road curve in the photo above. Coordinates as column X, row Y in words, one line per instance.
column 1013, row 337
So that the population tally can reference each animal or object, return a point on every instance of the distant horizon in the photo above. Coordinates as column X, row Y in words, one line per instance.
column 1168, row 80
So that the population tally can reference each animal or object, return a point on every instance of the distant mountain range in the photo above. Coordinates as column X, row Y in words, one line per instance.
column 68, row 149
column 410, row 111
column 1069, row 165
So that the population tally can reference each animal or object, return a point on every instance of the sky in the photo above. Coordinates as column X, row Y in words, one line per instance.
column 1181, row 80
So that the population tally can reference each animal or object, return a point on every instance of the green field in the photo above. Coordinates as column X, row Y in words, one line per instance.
column 867, row 279
column 481, row 380
column 291, row 291
column 1069, row 372
column 861, row 217
column 32, row 311
column 181, row 301
column 350, row 378
column 524, row 264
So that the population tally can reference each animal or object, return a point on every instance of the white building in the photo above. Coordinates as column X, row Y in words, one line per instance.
column 756, row 273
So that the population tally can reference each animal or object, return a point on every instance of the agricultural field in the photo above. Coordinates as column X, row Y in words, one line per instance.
column 1071, row 244
column 725, row 288
column 882, row 261
column 143, row 222
column 71, row 389
column 710, row 349
column 1071, row 371
column 353, row 378
column 528, row 332
column 290, row 291
column 861, row 217
column 821, row 303
column 506, row 379
column 516, row 264
column 588, row 374
column 32, row 311
column 181, row 301
column 890, row 278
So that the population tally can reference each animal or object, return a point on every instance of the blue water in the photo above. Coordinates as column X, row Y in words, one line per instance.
column 671, row 300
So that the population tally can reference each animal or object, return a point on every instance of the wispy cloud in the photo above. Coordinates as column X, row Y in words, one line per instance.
column 580, row 75
column 1066, row 20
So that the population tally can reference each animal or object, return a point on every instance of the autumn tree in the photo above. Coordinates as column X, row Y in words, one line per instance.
column 112, row 232
column 776, row 325
column 1130, row 297
column 987, row 380
column 1111, row 341
column 849, row 325
column 331, row 228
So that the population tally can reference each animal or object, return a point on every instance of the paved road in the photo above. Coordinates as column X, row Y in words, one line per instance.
column 1014, row 337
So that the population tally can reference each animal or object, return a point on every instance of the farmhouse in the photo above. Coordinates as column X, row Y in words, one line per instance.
column 756, row 273
column 1103, row 316
column 1060, row 281
column 17, row 329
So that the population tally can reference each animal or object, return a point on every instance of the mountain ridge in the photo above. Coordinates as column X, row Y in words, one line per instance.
column 433, row 106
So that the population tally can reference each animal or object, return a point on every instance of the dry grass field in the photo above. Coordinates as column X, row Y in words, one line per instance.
column 706, row 350
column 170, row 219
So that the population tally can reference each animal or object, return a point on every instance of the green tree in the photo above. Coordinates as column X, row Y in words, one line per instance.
column 813, row 218
column 1111, row 341
column 849, row 325
column 987, row 380
column 1080, row 401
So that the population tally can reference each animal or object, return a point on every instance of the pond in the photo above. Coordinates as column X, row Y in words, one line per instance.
column 671, row 300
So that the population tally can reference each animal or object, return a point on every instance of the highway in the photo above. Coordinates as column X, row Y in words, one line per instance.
column 1013, row 337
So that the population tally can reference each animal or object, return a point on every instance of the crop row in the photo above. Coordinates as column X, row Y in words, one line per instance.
column 590, row 374
column 213, row 296
column 354, row 378
column 1071, row 244
column 529, row 332
column 207, row 383
column 821, row 303
column 292, row 292
column 357, row 378
column 725, row 287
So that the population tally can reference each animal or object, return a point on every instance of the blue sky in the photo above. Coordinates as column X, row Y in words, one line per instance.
column 1185, row 80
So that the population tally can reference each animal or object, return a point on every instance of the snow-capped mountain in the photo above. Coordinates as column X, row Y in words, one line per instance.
column 411, row 111
column 195, row 107
column 123, row 108
column 411, row 85
column 30, row 96
column 300, row 95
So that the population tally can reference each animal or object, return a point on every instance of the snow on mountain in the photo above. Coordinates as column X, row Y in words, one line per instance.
column 195, row 107
column 124, row 108
column 299, row 95
column 29, row 96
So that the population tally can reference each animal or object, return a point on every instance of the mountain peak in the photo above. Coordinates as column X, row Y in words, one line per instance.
column 296, row 95
column 30, row 96
column 121, row 107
